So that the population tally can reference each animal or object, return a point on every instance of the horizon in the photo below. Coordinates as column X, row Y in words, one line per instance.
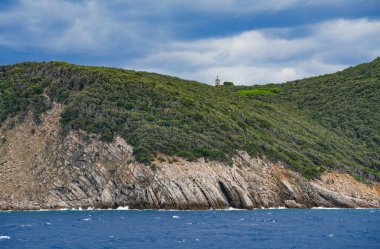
column 245, row 42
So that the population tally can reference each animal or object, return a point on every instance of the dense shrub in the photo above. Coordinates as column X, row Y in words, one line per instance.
column 323, row 122
column 228, row 83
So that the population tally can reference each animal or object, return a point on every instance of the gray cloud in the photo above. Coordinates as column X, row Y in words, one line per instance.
column 128, row 27
column 96, row 25
column 223, row 6
column 62, row 26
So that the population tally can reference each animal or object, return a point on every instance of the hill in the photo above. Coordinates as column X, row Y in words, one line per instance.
column 325, row 122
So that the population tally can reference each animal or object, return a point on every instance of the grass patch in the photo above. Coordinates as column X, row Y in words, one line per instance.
column 260, row 91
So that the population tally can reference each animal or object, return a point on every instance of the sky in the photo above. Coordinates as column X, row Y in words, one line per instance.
column 244, row 41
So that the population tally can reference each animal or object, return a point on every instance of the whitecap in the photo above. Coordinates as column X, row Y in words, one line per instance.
column 175, row 217
column 122, row 208
column 86, row 219
column 325, row 208
column 26, row 225
column 234, row 209
column 3, row 237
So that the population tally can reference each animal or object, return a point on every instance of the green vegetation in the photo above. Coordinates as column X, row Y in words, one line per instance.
column 260, row 91
column 323, row 122
column 228, row 83
column 346, row 103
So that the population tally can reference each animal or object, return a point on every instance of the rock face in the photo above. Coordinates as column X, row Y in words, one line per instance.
column 39, row 169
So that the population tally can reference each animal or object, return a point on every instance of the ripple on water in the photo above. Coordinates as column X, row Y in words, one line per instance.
column 196, row 229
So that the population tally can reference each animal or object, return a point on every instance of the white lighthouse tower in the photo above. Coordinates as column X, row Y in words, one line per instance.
column 217, row 81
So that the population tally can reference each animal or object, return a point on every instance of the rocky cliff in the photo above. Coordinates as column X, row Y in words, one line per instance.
column 41, row 169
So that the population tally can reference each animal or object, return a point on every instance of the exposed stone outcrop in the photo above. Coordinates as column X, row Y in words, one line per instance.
column 41, row 169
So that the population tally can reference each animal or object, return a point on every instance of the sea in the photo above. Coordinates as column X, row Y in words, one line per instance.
column 264, row 228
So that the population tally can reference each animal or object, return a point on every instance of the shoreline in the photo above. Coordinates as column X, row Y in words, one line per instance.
column 182, row 210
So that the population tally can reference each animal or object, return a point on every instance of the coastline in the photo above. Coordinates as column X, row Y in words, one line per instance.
column 182, row 210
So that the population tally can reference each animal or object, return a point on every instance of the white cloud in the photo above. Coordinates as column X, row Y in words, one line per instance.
column 266, row 56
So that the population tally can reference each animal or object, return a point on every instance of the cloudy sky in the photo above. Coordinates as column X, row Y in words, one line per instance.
column 244, row 41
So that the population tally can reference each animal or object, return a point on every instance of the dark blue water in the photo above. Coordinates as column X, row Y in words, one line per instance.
column 191, row 229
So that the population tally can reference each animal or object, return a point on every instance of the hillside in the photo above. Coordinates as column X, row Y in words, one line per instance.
column 345, row 102
column 326, row 122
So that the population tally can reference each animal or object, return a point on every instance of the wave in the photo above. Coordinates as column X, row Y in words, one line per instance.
column 327, row 208
column 126, row 208
column 123, row 208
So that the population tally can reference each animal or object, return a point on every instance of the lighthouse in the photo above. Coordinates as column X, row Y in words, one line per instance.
column 217, row 81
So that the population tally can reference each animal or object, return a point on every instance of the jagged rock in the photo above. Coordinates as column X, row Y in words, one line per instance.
column 43, row 170
column 107, row 195
column 293, row 204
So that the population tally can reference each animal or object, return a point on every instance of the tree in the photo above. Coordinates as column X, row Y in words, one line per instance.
column 228, row 83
